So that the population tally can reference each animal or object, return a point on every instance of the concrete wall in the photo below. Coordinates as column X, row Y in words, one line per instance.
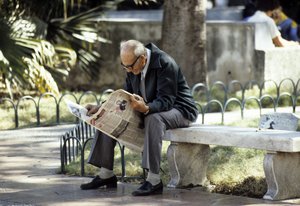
column 278, row 64
column 111, row 74
column 231, row 53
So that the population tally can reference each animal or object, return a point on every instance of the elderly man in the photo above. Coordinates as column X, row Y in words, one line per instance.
column 161, row 94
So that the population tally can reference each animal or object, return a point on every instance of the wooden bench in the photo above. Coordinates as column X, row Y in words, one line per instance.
column 189, row 151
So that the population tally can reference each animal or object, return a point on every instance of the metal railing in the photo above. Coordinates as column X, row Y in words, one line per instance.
column 223, row 104
column 74, row 143
column 226, row 89
column 58, row 101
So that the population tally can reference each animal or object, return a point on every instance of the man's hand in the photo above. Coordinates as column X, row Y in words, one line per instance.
column 137, row 103
column 92, row 109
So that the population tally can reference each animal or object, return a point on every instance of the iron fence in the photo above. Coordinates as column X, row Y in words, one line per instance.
column 74, row 143
column 223, row 104
column 58, row 101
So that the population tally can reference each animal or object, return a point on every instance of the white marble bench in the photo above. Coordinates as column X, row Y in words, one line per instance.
column 189, row 151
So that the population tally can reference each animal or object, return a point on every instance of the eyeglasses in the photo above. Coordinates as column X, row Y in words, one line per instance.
column 130, row 67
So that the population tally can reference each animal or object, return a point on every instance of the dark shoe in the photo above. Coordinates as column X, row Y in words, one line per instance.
column 98, row 182
column 148, row 189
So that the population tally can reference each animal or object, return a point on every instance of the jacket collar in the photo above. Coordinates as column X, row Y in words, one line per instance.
column 155, row 56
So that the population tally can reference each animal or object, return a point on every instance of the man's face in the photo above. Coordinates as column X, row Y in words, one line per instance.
column 132, row 63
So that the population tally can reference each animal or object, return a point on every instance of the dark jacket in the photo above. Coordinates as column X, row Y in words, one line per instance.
column 166, row 87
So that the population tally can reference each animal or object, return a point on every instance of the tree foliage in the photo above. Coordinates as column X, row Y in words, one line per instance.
column 41, row 40
column 41, row 43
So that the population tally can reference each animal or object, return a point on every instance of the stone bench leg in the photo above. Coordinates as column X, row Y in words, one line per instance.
column 187, row 164
column 282, row 172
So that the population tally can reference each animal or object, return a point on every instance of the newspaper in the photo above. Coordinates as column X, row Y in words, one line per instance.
column 115, row 118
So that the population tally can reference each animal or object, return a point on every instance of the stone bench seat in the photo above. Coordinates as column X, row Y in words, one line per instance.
column 188, row 155
column 264, row 139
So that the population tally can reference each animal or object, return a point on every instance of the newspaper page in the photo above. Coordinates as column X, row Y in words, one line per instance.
column 115, row 118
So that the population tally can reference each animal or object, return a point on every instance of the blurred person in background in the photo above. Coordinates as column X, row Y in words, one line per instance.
column 265, row 11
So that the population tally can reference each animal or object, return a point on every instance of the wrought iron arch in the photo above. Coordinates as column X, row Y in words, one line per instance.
column 248, row 99
column 36, row 108
column 218, row 103
column 56, row 103
column 14, row 107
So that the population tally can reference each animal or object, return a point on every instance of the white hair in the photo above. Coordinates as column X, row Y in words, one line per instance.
column 134, row 46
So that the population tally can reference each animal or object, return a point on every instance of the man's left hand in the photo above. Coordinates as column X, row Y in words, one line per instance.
column 137, row 103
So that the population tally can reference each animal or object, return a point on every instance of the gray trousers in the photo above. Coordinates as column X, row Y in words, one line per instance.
column 156, row 124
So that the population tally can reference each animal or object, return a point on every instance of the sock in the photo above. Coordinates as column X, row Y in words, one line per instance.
column 154, row 179
column 105, row 173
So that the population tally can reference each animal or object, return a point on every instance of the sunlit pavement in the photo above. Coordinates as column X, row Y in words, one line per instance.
column 29, row 160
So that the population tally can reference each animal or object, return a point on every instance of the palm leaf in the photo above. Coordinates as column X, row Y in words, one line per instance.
column 30, row 63
column 80, row 33
column 26, row 59
column 11, row 65
column 46, row 60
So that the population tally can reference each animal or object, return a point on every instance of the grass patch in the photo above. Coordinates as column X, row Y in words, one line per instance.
column 237, row 171
column 250, row 187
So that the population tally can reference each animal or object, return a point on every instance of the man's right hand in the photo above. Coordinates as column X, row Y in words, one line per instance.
column 92, row 109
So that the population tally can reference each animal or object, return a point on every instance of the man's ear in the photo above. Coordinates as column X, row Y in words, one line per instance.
column 144, row 58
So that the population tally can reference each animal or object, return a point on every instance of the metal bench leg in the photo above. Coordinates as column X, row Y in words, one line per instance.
column 282, row 172
column 188, row 164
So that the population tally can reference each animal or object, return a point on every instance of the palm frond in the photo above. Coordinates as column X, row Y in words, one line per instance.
column 80, row 33
column 11, row 64
column 45, row 60
column 40, row 78
column 30, row 63
column 27, row 59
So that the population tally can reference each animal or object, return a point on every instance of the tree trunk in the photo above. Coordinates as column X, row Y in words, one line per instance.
column 184, row 37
